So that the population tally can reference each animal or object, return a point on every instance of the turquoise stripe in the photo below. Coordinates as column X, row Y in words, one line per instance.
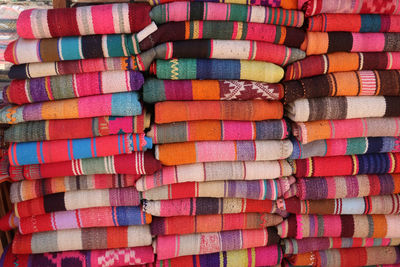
column 115, row 43
column 69, row 48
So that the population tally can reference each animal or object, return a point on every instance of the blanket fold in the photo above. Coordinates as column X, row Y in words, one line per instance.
column 286, row 4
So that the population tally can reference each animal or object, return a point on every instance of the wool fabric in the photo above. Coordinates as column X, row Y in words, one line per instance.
column 212, row 151
column 72, row 86
column 120, row 104
column 171, row 246
column 215, row 171
column 206, row 206
column 343, row 107
column 286, row 4
column 155, row 90
column 82, row 239
column 307, row 132
column 216, row 69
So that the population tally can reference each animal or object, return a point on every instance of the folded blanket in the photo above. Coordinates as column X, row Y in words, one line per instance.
column 85, row 238
column 212, row 130
column 165, row 90
column 362, row 226
column 334, row 129
column 80, row 199
column 216, row 69
column 286, row 4
column 260, row 256
column 387, row 204
column 343, row 107
column 137, row 163
column 71, row 86
column 327, row 42
column 72, row 149
column 348, row 146
column 212, row 151
column 76, row 128
column 171, row 246
column 347, row 186
column 348, row 257
column 223, row 30
column 96, row 19
column 30, row 189
column 204, row 206
column 215, row 171
column 251, row 110
column 345, row 84
column 120, row 104
column 212, row 223
column 343, row 62
column 348, row 165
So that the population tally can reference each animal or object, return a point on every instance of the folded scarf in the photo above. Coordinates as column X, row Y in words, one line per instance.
column 209, row 151
column 212, row 223
column 286, row 4
column 72, row 149
column 251, row 110
column 205, row 206
column 76, row 128
column 347, row 186
column 348, row 146
column 345, row 84
column 94, row 258
column 334, row 129
column 30, row 189
column 348, row 257
column 216, row 69
column 85, row 238
column 120, row 104
column 71, row 86
column 223, row 30
column 80, row 199
column 215, row 171
column 137, row 163
column 387, row 204
column 343, row 107
column 327, row 42
column 342, row 62
column 171, row 246
column 165, row 90
column 260, row 256
column 362, row 226
column 347, row 165
column 299, row 246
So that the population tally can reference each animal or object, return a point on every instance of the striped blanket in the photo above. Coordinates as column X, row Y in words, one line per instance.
column 286, row 4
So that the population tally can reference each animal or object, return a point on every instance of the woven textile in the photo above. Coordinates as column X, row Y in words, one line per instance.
column 260, row 256
column 212, row 223
column 327, row 42
column 347, row 186
column 362, row 226
column 80, row 199
column 85, row 238
column 204, row 206
column 165, row 90
column 387, row 204
column 72, row 149
column 286, row 4
column 342, row 62
column 76, row 128
column 212, row 151
column 349, row 257
column 348, row 165
column 89, row 20
column 216, row 69
column 137, row 163
column 25, row 190
column 71, row 86
column 343, row 107
column 121, row 104
column 215, row 171
column 345, row 84
column 333, row 129
column 172, row 246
